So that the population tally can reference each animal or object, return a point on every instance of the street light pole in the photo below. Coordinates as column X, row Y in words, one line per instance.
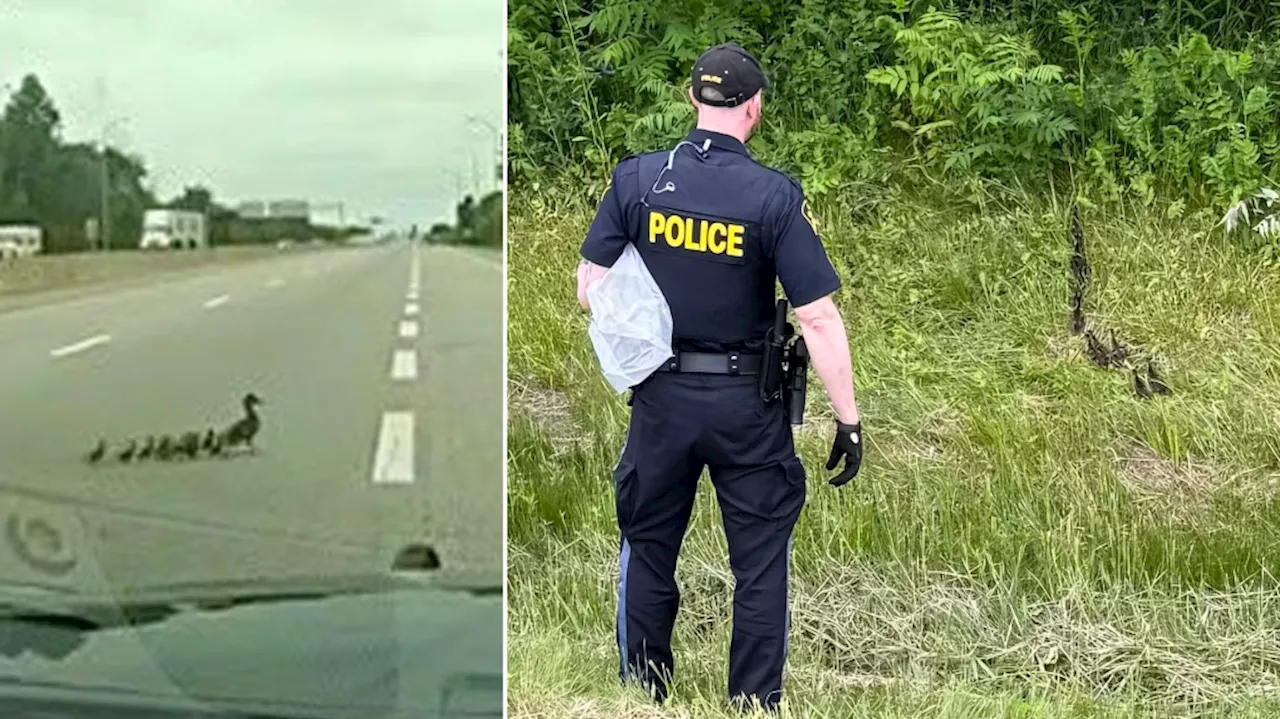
column 104, row 222
column 104, row 182
column 493, row 131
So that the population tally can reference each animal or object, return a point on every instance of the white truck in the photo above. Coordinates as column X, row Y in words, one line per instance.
column 20, row 241
column 173, row 229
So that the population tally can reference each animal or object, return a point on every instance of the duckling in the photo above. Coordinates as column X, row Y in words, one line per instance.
column 97, row 453
column 1079, row 263
column 215, row 447
column 1097, row 353
column 190, row 444
column 126, row 455
column 164, row 449
column 1140, row 385
column 147, row 449
column 245, row 429
column 1157, row 384
column 1118, row 352
column 194, row 444
column 1077, row 313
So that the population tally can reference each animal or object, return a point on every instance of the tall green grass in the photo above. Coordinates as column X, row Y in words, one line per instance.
column 1027, row 538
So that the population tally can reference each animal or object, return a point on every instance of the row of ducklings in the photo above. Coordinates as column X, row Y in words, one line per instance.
column 1103, row 355
column 186, row 446
column 190, row 445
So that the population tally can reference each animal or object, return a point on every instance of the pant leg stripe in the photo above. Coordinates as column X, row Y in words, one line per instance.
column 624, row 562
column 786, row 640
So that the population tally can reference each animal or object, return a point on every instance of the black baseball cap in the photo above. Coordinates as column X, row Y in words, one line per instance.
column 727, row 76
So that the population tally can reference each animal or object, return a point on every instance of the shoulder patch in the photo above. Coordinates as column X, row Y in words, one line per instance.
column 608, row 184
column 808, row 217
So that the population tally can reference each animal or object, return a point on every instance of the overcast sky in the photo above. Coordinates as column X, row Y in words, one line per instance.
column 325, row 100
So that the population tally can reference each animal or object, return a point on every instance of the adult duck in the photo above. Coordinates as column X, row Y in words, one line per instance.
column 246, row 428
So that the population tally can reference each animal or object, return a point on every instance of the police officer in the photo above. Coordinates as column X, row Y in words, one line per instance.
column 716, row 229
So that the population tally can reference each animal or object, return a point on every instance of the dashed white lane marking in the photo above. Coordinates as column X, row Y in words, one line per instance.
column 411, row 309
column 275, row 282
column 408, row 329
column 411, row 295
column 393, row 460
column 217, row 301
column 81, row 345
column 404, row 365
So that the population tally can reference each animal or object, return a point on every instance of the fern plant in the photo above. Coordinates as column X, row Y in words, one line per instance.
column 1197, row 119
column 974, row 101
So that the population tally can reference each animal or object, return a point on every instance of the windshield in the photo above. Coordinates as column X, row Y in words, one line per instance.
column 212, row 450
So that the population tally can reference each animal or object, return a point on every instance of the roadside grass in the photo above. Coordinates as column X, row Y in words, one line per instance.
column 24, row 275
column 1027, row 538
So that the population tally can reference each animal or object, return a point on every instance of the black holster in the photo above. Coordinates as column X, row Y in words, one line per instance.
column 784, row 369
column 795, row 388
column 772, row 363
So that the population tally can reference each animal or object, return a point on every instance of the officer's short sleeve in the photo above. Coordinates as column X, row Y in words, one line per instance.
column 803, row 267
column 608, row 235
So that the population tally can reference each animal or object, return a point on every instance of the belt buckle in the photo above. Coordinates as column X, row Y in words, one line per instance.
column 733, row 364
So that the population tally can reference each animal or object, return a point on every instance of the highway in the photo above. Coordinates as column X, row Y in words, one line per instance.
column 380, row 369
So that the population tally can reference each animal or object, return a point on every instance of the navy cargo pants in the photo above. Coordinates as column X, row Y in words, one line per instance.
column 679, row 424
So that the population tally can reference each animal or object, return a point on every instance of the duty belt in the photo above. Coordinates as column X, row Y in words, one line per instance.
column 730, row 363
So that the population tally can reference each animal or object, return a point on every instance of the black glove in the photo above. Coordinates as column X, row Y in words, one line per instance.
column 847, row 444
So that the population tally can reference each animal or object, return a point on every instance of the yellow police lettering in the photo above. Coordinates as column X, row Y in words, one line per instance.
column 697, row 235
column 674, row 238
column 735, row 241
column 700, row 245
column 716, row 245
column 713, row 78
column 656, row 224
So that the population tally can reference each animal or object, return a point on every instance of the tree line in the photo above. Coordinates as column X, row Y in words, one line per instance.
column 60, row 186
column 1114, row 100
column 477, row 223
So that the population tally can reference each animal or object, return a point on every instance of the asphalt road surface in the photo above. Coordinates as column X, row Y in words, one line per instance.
column 381, row 374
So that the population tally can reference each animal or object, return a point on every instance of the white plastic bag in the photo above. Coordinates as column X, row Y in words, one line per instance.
column 630, row 322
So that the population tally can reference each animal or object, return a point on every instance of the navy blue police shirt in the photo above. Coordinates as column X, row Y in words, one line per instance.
column 716, row 243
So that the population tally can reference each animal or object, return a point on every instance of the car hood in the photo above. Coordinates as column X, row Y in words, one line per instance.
column 416, row 652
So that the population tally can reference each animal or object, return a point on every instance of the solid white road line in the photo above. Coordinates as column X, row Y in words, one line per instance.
column 81, row 346
column 411, row 309
column 393, row 460
column 408, row 329
column 217, row 301
column 404, row 365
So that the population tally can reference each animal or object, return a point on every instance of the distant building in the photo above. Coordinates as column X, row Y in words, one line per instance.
column 252, row 210
column 275, row 209
column 292, row 209
column 328, row 216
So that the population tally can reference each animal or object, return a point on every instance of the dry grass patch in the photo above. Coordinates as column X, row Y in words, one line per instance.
column 549, row 410
column 1183, row 488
